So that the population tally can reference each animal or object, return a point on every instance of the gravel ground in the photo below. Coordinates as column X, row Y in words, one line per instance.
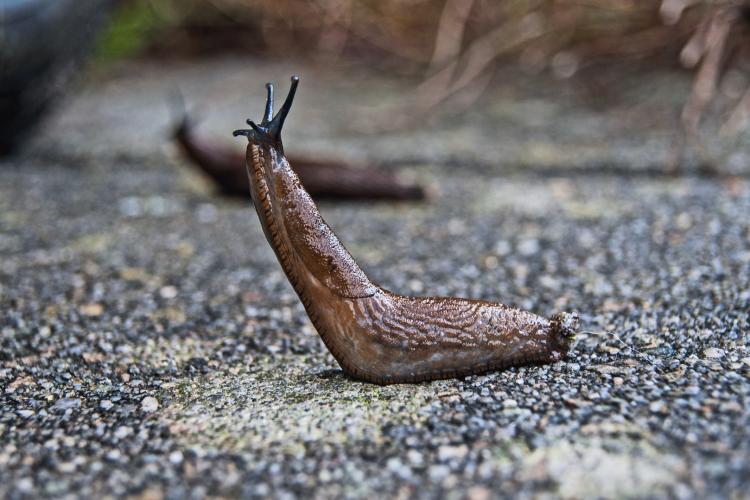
column 152, row 347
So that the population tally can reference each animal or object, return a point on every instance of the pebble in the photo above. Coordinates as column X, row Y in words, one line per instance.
column 446, row 453
column 438, row 472
column 149, row 404
column 478, row 493
column 415, row 458
column 713, row 353
column 658, row 407
column 66, row 404
column 123, row 432
column 168, row 292
column 176, row 457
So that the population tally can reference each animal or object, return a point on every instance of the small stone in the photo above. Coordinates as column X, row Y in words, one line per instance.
column 528, row 247
column 324, row 476
column 20, row 381
column 618, row 381
column 394, row 464
column 66, row 467
column 414, row 457
column 439, row 472
column 25, row 484
column 206, row 213
column 123, row 431
column 609, row 349
column 478, row 493
column 25, row 413
column 446, row 453
column 575, row 402
column 415, row 286
column 149, row 404
column 658, row 407
column 153, row 493
column 92, row 357
column 92, row 309
column 105, row 404
column 730, row 407
column 549, row 282
column 491, row 262
column 66, row 404
column 168, row 292
column 176, row 457
column 607, row 369
column 713, row 353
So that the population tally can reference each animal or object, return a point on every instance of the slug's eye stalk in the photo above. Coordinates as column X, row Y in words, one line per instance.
column 269, row 130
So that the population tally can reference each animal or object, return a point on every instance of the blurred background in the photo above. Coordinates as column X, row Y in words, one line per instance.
column 676, row 67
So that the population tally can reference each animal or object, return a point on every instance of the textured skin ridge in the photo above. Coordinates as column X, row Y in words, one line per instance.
column 373, row 334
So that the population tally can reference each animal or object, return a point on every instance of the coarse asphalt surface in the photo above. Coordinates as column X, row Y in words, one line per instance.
column 151, row 346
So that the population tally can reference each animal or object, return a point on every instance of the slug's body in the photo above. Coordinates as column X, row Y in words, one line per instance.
column 375, row 335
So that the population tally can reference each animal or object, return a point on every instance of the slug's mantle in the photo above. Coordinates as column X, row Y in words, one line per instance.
column 375, row 335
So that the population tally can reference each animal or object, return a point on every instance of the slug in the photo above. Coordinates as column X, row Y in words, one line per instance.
column 375, row 335
column 323, row 178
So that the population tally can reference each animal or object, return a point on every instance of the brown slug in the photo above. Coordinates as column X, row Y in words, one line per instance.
column 323, row 178
column 375, row 335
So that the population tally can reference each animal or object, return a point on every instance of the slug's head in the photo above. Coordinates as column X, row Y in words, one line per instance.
column 563, row 326
column 268, row 132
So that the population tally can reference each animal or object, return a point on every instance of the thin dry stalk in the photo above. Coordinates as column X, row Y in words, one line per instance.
column 450, row 32
column 475, row 60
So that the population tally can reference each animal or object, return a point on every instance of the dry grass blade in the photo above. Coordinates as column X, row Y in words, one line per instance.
column 463, row 70
column 450, row 32
column 334, row 32
column 707, row 77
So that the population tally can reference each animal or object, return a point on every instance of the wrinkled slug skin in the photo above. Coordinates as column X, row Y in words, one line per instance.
column 374, row 335
column 377, row 336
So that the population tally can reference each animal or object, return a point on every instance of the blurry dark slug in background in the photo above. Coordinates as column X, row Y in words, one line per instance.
column 375, row 335
column 323, row 178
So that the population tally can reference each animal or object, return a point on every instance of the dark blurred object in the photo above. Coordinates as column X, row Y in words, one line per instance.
column 330, row 179
column 42, row 44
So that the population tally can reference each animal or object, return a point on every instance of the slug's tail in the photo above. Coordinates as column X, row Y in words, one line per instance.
column 178, row 111
column 564, row 329
column 269, row 130
column 566, row 324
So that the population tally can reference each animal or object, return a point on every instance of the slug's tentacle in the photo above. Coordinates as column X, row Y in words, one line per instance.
column 269, row 130
column 375, row 335
column 268, row 115
column 255, row 127
column 278, row 121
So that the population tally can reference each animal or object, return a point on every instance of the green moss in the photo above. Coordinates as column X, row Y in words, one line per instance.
column 133, row 25
column 281, row 405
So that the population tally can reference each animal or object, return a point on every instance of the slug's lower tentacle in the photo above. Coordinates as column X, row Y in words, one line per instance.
column 375, row 335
